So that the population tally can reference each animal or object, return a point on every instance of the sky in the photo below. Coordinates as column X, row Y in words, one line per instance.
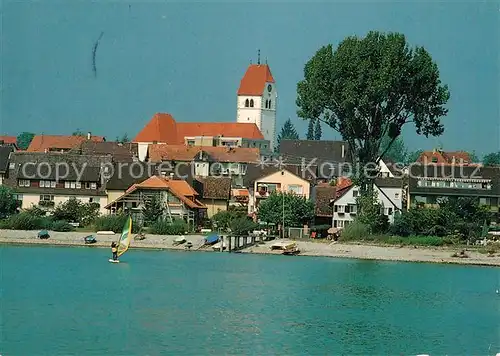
column 187, row 59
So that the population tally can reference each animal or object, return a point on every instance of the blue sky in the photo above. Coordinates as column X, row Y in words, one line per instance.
column 188, row 58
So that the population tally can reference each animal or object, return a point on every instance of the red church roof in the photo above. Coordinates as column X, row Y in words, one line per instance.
column 163, row 128
column 255, row 79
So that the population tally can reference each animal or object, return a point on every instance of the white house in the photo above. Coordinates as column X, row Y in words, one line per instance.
column 257, row 100
column 388, row 190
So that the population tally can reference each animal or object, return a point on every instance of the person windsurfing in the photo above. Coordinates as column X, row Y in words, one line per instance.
column 114, row 251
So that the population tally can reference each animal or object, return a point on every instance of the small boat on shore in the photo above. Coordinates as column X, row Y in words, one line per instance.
column 90, row 239
column 179, row 240
column 291, row 250
column 218, row 245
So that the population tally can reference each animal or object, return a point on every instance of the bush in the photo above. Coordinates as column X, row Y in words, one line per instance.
column 242, row 226
column 74, row 210
column 355, row 231
column 26, row 221
column 114, row 223
column 163, row 227
column 62, row 226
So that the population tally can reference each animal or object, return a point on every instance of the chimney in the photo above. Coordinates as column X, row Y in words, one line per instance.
column 453, row 160
column 433, row 151
column 89, row 135
column 46, row 150
column 172, row 176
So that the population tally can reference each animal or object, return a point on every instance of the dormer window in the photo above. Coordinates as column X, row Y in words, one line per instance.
column 434, row 159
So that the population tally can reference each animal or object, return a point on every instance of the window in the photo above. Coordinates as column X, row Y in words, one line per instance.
column 419, row 183
column 251, row 103
column 354, row 193
column 172, row 199
column 24, row 183
column 396, row 195
column 78, row 185
column 267, row 102
column 190, row 142
column 353, row 209
column 93, row 185
column 12, row 165
column 340, row 209
column 484, row 201
column 296, row 189
column 269, row 106
column 246, row 103
column 46, row 197
column 389, row 211
column 47, row 184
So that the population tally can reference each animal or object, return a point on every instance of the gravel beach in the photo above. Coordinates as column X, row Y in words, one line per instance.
column 307, row 248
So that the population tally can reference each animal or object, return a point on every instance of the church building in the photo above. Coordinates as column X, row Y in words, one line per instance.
column 257, row 100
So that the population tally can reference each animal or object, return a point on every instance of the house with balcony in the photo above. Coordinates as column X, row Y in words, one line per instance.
column 276, row 181
column 205, row 161
column 430, row 184
column 164, row 129
column 389, row 193
column 178, row 198
column 47, row 179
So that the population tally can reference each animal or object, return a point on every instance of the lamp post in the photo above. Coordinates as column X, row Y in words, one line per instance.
column 283, row 215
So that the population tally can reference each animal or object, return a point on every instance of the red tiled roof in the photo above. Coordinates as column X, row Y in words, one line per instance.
column 55, row 142
column 441, row 157
column 164, row 129
column 8, row 139
column 254, row 81
column 180, row 188
column 183, row 153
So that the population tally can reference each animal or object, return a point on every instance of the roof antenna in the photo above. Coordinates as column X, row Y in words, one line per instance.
column 258, row 56
column 266, row 60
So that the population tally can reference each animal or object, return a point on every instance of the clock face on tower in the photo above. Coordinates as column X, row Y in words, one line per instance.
column 269, row 88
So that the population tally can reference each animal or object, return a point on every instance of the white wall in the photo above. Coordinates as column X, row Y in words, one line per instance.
column 30, row 199
column 263, row 117
column 389, row 198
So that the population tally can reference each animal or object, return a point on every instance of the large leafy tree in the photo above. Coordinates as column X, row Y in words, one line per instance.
column 296, row 209
column 310, row 130
column 288, row 132
column 492, row 159
column 371, row 87
column 24, row 139
column 393, row 150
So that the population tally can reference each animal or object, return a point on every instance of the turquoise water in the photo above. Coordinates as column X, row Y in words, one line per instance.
column 68, row 301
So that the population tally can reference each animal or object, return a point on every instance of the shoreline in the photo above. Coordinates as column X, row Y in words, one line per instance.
column 359, row 251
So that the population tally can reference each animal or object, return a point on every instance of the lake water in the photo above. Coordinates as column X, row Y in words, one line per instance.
column 72, row 301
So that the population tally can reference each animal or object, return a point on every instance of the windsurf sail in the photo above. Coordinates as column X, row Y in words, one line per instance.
column 125, row 238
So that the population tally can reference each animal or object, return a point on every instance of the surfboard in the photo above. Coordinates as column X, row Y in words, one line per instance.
column 113, row 261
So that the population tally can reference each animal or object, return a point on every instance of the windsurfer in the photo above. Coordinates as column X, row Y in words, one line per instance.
column 114, row 250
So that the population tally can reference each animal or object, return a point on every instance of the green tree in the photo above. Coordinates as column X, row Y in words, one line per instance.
column 370, row 213
column 122, row 139
column 153, row 209
column 75, row 211
column 317, row 131
column 474, row 157
column 8, row 202
column 242, row 226
column 396, row 151
column 492, row 159
column 288, row 132
column 371, row 87
column 310, row 130
column 24, row 139
column 296, row 210
column 78, row 132
column 412, row 157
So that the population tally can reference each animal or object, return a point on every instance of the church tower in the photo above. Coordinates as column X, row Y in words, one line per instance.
column 257, row 100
